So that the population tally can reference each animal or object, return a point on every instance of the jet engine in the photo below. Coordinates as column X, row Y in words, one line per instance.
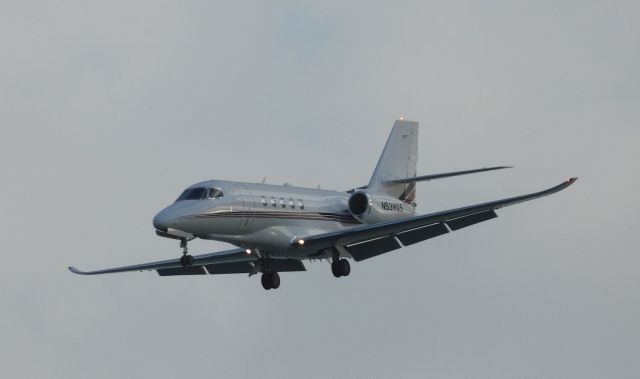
column 373, row 208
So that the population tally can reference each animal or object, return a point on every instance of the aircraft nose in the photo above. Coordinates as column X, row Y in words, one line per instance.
column 161, row 221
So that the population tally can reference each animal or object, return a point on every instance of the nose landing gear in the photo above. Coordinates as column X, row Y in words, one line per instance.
column 185, row 259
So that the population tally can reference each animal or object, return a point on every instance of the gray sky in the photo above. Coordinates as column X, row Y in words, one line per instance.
column 108, row 110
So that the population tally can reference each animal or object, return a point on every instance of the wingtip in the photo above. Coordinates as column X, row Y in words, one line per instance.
column 571, row 180
column 75, row 270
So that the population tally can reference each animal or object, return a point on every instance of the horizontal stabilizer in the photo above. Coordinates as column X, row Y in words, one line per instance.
column 445, row 175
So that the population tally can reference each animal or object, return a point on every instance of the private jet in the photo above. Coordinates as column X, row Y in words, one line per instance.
column 275, row 228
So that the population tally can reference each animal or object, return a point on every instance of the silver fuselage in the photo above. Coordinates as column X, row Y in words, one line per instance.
column 259, row 216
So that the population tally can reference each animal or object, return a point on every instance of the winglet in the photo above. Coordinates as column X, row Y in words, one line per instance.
column 76, row 271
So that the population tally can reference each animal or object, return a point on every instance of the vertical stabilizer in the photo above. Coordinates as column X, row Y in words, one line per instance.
column 398, row 161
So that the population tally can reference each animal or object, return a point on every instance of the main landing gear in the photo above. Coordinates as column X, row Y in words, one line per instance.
column 185, row 259
column 270, row 280
column 340, row 267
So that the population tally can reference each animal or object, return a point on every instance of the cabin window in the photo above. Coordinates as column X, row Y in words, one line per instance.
column 292, row 203
column 300, row 204
column 264, row 201
column 215, row 193
column 273, row 202
column 283, row 204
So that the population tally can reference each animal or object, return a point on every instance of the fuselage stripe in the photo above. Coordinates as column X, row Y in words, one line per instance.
column 291, row 215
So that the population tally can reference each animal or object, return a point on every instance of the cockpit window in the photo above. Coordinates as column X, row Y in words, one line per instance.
column 215, row 193
column 193, row 194
column 196, row 193
column 182, row 195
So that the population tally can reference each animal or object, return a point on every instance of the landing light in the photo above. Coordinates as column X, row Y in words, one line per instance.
column 248, row 252
column 300, row 242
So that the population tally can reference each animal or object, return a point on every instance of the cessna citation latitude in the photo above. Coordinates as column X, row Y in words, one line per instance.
column 276, row 228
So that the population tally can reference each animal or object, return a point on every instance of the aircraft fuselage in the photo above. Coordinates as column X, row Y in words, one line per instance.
column 263, row 216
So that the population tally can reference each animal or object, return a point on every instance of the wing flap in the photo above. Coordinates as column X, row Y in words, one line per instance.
column 463, row 222
column 369, row 249
column 286, row 265
column 279, row 265
column 420, row 234
column 191, row 270
column 229, row 268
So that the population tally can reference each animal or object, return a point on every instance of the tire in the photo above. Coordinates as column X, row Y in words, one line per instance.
column 275, row 280
column 189, row 260
column 345, row 267
column 183, row 261
column 335, row 269
column 266, row 282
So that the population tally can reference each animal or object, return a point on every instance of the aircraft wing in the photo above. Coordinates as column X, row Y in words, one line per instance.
column 234, row 261
column 221, row 259
column 367, row 241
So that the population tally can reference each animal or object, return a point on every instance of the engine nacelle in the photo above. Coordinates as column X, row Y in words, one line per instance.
column 374, row 208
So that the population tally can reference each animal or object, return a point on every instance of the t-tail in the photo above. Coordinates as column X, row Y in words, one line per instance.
column 395, row 174
column 398, row 161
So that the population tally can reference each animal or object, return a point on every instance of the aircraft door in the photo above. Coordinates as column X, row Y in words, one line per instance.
column 247, row 208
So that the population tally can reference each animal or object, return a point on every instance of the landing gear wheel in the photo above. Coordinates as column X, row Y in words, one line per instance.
column 345, row 267
column 270, row 280
column 275, row 280
column 340, row 268
column 186, row 260
column 266, row 281
column 335, row 269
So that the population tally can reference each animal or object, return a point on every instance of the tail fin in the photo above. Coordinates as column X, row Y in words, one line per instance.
column 398, row 161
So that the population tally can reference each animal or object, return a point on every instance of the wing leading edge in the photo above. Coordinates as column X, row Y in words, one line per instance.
column 366, row 241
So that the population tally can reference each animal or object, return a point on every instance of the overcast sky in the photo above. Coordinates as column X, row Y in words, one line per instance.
column 109, row 109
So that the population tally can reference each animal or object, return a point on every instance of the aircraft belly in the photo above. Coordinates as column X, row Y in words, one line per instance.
column 265, row 235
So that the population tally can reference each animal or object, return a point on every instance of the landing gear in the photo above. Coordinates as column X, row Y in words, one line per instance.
column 185, row 259
column 270, row 280
column 340, row 267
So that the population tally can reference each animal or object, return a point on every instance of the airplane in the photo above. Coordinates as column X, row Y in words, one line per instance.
column 274, row 228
